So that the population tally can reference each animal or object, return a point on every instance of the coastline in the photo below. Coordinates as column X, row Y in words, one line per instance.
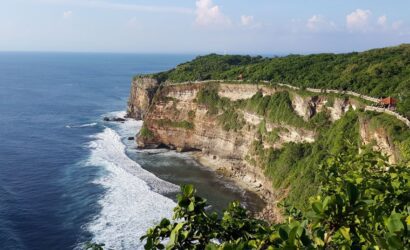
column 252, row 183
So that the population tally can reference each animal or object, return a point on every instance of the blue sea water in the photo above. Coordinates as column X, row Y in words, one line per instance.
column 67, row 177
column 47, row 196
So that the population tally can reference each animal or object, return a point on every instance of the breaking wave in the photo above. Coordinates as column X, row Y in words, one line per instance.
column 82, row 125
column 133, row 199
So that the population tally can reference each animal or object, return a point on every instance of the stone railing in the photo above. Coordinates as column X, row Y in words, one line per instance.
column 335, row 91
column 390, row 112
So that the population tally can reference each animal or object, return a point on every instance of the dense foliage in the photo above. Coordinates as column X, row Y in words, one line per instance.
column 228, row 116
column 363, row 203
column 212, row 66
column 276, row 108
column 295, row 166
column 378, row 72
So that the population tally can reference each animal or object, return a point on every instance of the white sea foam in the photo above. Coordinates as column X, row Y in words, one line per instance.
column 82, row 125
column 132, row 202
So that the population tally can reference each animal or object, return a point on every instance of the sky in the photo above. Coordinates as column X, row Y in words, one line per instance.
column 269, row 27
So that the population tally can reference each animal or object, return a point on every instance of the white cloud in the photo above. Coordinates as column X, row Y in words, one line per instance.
column 319, row 23
column 67, row 14
column 397, row 25
column 382, row 21
column 358, row 20
column 207, row 13
column 247, row 20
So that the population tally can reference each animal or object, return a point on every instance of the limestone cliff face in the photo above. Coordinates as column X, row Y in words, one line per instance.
column 340, row 107
column 177, row 121
column 236, row 92
column 141, row 94
column 379, row 139
column 174, row 118
column 304, row 107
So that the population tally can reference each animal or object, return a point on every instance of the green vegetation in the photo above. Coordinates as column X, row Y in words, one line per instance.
column 378, row 72
column 397, row 131
column 146, row 133
column 228, row 115
column 231, row 120
column 208, row 96
column 207, row 67
column 175, row 124
column 294, row 166
column 276, row 108
column 363, row 203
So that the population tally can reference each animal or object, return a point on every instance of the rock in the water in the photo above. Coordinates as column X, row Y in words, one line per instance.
column 118, row 119
column 114, row 119
column 131, row 138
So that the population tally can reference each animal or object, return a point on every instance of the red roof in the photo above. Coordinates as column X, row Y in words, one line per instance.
column 388, row 101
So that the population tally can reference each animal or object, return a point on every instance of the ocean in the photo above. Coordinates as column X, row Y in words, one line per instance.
column 68, row 177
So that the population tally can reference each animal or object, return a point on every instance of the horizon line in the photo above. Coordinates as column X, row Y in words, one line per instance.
column 200, row 53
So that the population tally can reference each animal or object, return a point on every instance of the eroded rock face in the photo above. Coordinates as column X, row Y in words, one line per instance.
column 195, row 129
column 206, row 134
column 379, row 139
column 142, row 91
column 236, row 92
column 339, row 107
column 304, row 107
column 307, row 107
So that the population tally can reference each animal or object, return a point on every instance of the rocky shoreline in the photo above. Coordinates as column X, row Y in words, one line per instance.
column 227, row 169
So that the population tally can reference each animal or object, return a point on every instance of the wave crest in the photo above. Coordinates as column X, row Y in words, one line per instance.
column 132, row 202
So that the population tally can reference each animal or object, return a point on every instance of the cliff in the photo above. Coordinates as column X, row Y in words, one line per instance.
column 141, row 94
column 268, row 138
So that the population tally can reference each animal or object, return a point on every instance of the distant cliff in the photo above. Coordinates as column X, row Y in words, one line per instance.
column 269, row 138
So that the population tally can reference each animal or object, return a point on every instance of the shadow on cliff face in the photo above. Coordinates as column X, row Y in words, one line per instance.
column 178, row 149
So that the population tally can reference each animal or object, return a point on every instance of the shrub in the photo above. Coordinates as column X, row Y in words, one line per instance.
column 146, row 133
column 176, row 124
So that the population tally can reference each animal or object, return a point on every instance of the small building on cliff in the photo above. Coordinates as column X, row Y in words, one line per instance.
column 389, row 103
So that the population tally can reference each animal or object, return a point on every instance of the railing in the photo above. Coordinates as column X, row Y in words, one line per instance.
column 390, row 112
